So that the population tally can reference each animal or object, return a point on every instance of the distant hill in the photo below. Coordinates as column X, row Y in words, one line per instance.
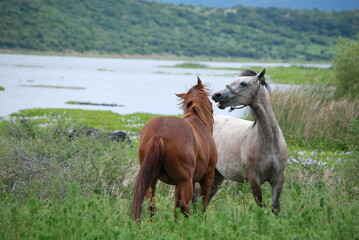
column 145, row 28
column 325, row 5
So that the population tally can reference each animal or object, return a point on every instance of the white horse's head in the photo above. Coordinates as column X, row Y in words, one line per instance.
column 241, row 91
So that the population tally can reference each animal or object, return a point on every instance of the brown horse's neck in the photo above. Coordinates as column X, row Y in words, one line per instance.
column 267, row 125
column 202, row 116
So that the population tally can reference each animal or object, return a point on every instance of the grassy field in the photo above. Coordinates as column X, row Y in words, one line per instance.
column 106, row 120
column 54, row 188
column 295, row 75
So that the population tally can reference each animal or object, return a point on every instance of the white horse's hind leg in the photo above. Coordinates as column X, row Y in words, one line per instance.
column 277, row 187
column 217, row 181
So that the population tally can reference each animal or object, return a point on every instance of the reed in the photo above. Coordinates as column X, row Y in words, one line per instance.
column 309, row 115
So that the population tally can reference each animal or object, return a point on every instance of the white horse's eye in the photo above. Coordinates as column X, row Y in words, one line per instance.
column 244, row 84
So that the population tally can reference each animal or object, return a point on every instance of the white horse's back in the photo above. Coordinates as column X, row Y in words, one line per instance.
column 228, row 134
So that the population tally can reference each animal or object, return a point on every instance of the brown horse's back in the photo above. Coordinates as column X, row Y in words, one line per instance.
column 171, row 130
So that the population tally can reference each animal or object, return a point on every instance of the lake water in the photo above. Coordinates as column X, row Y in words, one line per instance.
column 139, row 85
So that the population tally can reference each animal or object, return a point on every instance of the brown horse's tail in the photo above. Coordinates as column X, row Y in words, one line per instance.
column 149, row 170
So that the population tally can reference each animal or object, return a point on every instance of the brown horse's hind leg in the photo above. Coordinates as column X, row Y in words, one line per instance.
column 276, row 191
column 150, row 195
column 256, row 191
column 183, row 197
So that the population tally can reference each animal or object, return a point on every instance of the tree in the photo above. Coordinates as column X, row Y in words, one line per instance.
column 346, row 68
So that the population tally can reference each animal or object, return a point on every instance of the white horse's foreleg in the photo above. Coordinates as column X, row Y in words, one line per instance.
column 277, row 187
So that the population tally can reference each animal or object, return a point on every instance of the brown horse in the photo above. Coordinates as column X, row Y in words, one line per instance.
column 177, row 151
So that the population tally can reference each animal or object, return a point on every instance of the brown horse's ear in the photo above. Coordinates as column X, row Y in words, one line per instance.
column 181, row 95
column 199, row 82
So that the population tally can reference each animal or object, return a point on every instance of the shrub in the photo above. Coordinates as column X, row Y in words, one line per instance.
column 346, row 69
column 43, row 161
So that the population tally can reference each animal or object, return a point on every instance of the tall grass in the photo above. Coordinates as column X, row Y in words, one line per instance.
column 55, row 188
column 309, row 116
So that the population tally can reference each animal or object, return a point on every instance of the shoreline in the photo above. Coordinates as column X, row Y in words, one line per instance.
column 155, row 57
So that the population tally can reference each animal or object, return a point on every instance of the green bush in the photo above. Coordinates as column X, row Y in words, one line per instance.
column 346, row 69
column 44, row 161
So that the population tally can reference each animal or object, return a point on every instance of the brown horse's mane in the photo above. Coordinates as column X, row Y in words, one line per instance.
column 195, row 102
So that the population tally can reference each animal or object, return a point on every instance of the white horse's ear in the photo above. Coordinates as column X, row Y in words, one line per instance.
column 199, row 82
column 261, row 74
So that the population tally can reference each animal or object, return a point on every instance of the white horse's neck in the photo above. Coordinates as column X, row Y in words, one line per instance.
column 267, row 125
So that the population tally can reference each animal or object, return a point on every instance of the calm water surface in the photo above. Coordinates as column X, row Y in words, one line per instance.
column 139, row 85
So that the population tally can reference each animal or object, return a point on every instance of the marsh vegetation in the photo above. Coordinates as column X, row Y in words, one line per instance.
column 53, row 187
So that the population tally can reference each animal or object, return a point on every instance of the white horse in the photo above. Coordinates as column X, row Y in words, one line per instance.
column 254, row 151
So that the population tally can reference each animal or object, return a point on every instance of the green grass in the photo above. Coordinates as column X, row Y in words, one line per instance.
column 2, row 88
column 294, row 75
column 54, row 188
column 106, row 120
column 203, row 66
column 94, row 104
column 308, row 213
column 191, row 65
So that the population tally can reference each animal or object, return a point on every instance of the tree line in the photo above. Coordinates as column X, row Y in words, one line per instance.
column 144, row 28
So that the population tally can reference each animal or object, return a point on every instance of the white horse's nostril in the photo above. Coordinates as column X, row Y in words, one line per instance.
column 217, row 95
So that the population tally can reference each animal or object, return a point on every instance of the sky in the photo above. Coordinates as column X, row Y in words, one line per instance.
column 325, row 5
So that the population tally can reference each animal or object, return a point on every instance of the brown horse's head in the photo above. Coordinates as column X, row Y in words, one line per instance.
column 195, row 103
